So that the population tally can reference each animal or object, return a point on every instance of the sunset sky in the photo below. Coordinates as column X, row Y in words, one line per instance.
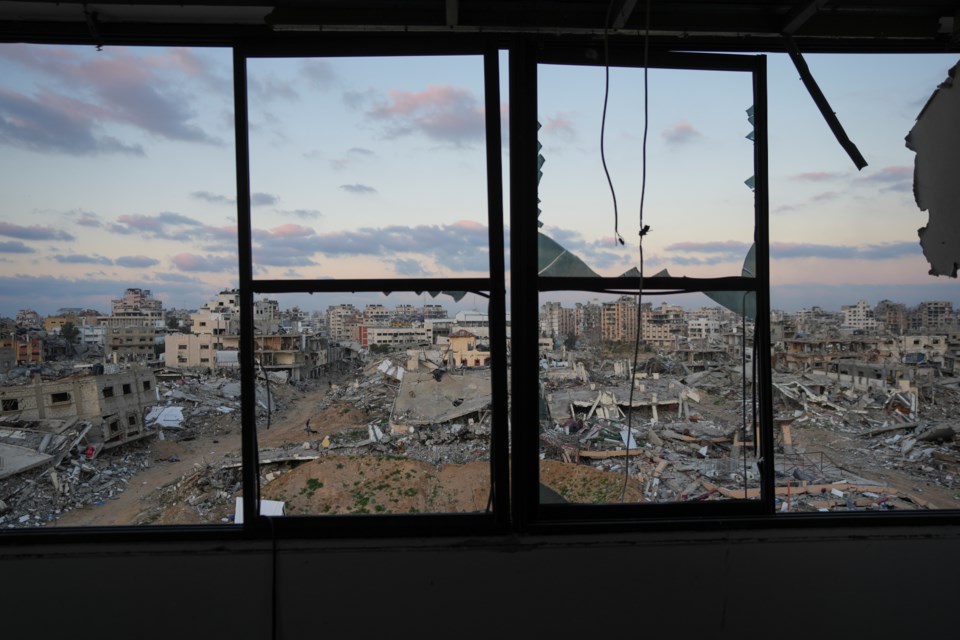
column 118, row 171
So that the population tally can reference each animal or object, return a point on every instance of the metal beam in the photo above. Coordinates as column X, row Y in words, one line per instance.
column 799, row 16
column 821, row 101
column 625, row 12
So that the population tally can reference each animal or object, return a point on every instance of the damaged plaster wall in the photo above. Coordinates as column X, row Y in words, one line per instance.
column 936, row 140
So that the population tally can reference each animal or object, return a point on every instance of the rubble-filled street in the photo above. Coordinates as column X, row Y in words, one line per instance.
column 374, row 437
column 838, row 447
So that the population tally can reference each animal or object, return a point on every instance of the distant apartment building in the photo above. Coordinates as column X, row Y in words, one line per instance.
column 891, row 317
column 28, row 318
column 183, row 350
column 54, row 324
column 557, row 321
column 92, row 335
column 131, row 344
column 135, row 300
column 859, row 316
column 702, row 329
column 137, row 308
column 407, row 312
column 433, row 311
column 618, row 319
column 932, row 315
column 27, row 349
column 266, row 316
column 376, row 314
column 343, row 321
column 218, row 317
column 394, row 336
column 587, row 318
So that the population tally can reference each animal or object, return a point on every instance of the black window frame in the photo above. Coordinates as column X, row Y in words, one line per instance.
column 497, row 518
column 529, row 513
column 515, row 512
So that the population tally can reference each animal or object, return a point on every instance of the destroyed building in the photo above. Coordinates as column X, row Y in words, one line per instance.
column 114, row 403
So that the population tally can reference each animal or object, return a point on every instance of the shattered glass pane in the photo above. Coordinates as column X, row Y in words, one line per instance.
column 682, row 433
column 104, row 421
column 387, row 411
column 699, row 210
column 368, row 167
column 864, row 341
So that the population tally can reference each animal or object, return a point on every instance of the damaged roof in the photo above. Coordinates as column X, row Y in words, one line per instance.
column 747, row 25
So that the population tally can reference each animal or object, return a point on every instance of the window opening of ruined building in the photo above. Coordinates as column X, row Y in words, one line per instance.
column 652, row 400
column 10, row 404
column 139, row 234
column 369, row 403
column 863, row 338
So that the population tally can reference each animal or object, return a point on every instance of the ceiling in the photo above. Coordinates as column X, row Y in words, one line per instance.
column 745, row 25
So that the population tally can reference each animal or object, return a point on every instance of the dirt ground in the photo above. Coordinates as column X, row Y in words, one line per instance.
column 171, row 460
column 345, row 484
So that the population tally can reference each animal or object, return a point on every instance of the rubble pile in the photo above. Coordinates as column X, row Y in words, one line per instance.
column 40, row 496
column 209, row 490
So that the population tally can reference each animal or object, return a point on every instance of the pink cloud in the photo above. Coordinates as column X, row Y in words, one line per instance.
column 816, row 176
column 680, row 133
column 559, row 125
column 442, row 112
column 290, row 230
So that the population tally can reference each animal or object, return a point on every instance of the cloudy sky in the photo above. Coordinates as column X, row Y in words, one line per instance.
column 118, row 171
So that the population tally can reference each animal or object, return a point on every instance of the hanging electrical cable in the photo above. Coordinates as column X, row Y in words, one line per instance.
column 644, row 229
column 603, row 123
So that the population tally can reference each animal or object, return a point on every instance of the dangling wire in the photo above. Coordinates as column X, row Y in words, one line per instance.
column 644, row 229
column 603, row 125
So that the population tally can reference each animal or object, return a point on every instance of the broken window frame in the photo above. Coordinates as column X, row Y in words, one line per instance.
column 528, row 512
column 496, row 518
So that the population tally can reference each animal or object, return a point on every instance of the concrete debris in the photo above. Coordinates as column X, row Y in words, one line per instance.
column 169, row 417
column 936, row 140
column 38, row 497
column 690, row 435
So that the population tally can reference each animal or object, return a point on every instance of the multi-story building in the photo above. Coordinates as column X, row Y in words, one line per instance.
column 27, row 348
column 137, row 308
column 935, row 314
column 587, row 318
column 891, row 317
column 342, row 321
column 266, row 316
column 394, row 336
column 131, row 344
column 191, row 350
column 53, row 324
column 618, row 319
column 28, row 318
column 433, row 311
column 702, row 329
column 135, row 300
column 407, row 312
column 858, row 316
column 113, row 402
column 376, row 315
column 557, row 321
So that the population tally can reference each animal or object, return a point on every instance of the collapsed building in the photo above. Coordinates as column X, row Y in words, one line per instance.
column 113, row 403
